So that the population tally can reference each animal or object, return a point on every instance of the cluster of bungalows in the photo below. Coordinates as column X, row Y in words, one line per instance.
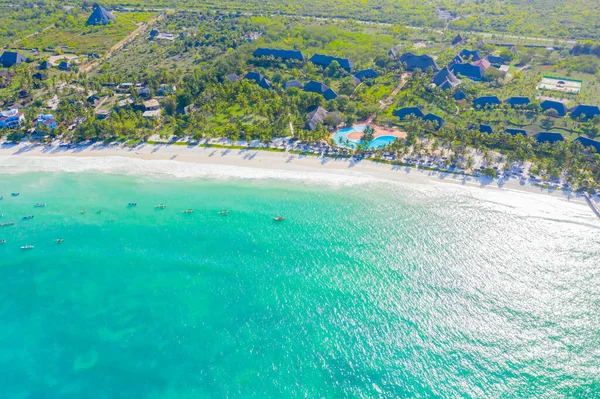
column 417, row 112
column 311, row 86
column 11, row 118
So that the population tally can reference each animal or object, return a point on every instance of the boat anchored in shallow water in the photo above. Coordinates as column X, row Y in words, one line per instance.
column 59, row 240
column 188, row 211
column 27, row 247
column 279, row 219
column 82, row 211
column 6, row 224
column 132, row 204
column 15, row 194
column 160, row 206
column 2, row 241
column 40, row 205
column 224, row 213
column 27, row 217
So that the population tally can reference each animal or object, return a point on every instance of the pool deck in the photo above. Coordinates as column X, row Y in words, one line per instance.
column 379, row 131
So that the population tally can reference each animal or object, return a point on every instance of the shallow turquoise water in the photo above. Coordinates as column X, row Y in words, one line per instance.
column 364, row 291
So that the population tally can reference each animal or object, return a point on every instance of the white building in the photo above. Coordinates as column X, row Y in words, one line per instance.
column 11, row 118
column 46, row 120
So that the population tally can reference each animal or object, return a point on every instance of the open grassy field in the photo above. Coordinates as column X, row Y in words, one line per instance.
column 78, row 38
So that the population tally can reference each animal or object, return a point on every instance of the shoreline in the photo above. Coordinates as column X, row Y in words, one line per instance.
column 245, row 163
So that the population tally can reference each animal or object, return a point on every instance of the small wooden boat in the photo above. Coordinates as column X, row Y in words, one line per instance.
column 2, row 241
column 82, row 211
column 59, row 240
column 188, row 211
column 224, row 213
column 279, row 219
column 15, row 194
column 7, row 224
column 132, row 204
column 40, row 205
column 28, row 217
column 99, row 211
column 27, row 247
column 160, row 206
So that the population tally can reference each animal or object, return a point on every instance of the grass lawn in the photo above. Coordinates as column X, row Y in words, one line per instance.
column 82, row 39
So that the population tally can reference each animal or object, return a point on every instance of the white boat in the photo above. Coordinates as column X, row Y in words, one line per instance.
column 224, row 213
column 40, row 205
column 279, row 218
column 2, row 241
column 99, row 211
column 188, row 211
column 28, row 217
column 160, row 206
column 6, row 224
column 27, row 247
column 59, row 240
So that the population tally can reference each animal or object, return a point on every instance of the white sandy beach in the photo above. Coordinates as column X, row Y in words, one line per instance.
column 194, row 161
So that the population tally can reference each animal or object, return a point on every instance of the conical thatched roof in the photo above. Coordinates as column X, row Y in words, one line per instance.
column 100, row 16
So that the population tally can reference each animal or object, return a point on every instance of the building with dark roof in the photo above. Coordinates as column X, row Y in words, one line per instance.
column 486, row 129
column 64, row 66
column 493, row 59
column 436, row 119
column 456, row 60
column 471, row 71
column 326, row 60
column 394, row 53
column 445, row 79
column 458, row 39
column 486, row 101
column 100, row 16
column 473, row 55
column 232, row 78
column 276, row 53
column 517, row 101
column 45, row 65
column 293, row 84
column 514, row 132
column 421, row 62
column 320, row 88
column 548, row 137
column 559, row 107
column 259, row 79
column 588, row 143
column 366, row 74
column 316, row 118
column 459, row 95
column 403, row 113
column 11, row 58
column 585, row 111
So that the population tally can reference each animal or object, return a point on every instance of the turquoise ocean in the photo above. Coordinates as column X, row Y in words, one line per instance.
column 365, row 291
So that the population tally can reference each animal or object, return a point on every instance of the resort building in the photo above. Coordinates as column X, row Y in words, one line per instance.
column 458, row 39
column 232, row 78
column 548, row 137
column 293, row 84
column 422, row 62
column 281, row 54
column 394, row 53
column 459, row 95
column 259, row 79
column 486, row 129
column 405, row 112
column 445, row 79
column 316, row 118
column 585, row 111
column 436, row 119
column 493, row 59
column 100, row 16
column 11, row 58
column 46, row 120
column 64, row 66
column 486, row 101
column 471, row 71
column 11, row 118
column 560, row 108
column 366, row 74
column 588, row 143
column 517, row 101
column 320, row 88
column 151, row 105
column 514, row 132
column 472, row 55
column 326, row 60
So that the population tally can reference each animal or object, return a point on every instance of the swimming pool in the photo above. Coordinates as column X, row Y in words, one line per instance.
column 341, row 138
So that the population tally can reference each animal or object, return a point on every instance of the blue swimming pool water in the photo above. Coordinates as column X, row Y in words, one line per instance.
column 341, row 138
